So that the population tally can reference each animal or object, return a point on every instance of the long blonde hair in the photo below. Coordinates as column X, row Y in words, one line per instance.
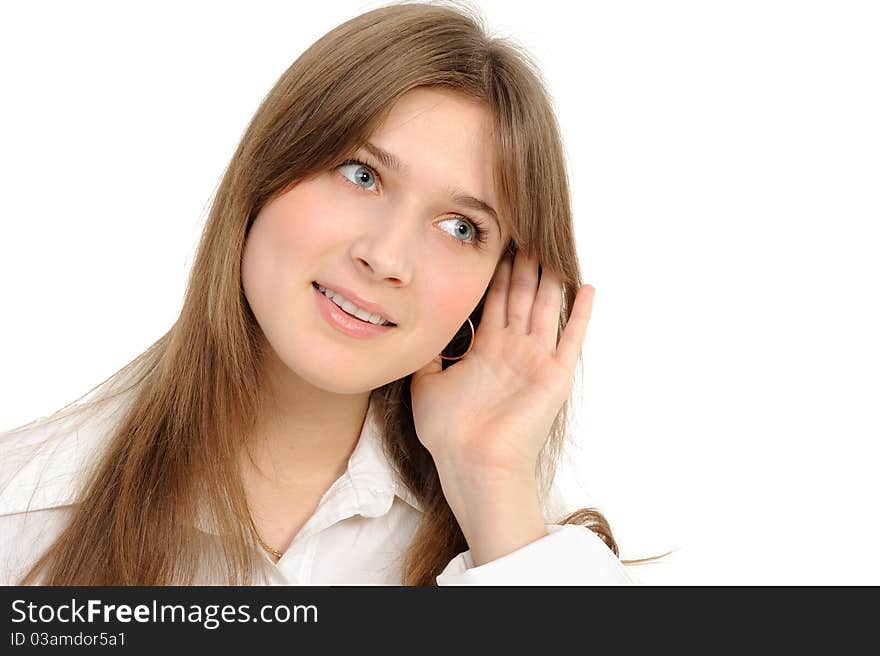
column 196, row 391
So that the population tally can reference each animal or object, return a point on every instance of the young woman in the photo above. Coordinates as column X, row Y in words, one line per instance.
column 368, row 380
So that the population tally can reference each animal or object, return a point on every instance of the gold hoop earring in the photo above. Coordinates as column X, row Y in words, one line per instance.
column 473, row 335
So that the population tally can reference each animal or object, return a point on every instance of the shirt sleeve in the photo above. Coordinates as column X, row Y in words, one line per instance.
column 568, row 555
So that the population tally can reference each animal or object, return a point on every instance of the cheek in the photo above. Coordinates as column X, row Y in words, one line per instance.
column 451, row 302
column 257, row 263
column 290, row 233
column 304, row 224
column 281, row 243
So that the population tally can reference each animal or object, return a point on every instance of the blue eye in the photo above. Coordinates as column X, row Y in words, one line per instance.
column 471, row 234
column 476, row 234
column 361, row 174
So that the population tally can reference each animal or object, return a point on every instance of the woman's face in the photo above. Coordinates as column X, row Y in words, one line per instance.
column 394, row 236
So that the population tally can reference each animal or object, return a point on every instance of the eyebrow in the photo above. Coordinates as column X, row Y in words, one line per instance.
column 391, row 161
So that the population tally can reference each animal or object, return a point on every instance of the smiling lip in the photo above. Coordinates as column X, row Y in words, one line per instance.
column 372, row 308
column 344, row 322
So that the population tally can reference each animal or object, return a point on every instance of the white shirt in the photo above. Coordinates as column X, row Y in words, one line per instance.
column 357, row 535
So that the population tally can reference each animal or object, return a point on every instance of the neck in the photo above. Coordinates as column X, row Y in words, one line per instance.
column 306, row 434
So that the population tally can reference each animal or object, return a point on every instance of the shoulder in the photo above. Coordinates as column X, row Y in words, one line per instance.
column 41, row 467
column 43, row 464
column 25, row 536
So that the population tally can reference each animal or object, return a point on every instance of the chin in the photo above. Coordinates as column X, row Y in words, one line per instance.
column 335, row 380
column 332, row 370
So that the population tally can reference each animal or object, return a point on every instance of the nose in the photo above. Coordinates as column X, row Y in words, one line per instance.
column 386, row 251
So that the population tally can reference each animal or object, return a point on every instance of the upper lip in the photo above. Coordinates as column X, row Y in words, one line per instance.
column 360, row 301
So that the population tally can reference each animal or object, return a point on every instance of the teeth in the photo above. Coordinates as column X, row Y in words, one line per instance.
column 351, row 308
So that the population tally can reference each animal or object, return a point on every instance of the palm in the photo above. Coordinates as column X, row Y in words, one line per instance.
column 493, row 410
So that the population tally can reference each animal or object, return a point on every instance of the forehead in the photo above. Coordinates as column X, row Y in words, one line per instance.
column 442, row 141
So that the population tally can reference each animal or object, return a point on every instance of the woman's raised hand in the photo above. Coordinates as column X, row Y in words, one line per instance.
column 487, row 416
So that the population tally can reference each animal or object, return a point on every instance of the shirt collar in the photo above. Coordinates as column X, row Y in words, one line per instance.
column 368, row 486
column 45, row 465
column 370, row 471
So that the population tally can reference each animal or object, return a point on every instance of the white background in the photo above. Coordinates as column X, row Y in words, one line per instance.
column 724, row 158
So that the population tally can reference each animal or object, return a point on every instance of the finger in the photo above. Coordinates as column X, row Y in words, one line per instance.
column 576, row 329
column 545, row 313
column 521, row 295
column 495, row 307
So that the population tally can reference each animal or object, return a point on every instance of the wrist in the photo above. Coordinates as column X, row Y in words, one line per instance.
column 496, row 517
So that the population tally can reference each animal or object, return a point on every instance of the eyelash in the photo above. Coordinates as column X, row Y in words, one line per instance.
column 480, row 232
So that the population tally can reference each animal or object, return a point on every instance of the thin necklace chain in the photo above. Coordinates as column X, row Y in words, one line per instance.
column 271, row 551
